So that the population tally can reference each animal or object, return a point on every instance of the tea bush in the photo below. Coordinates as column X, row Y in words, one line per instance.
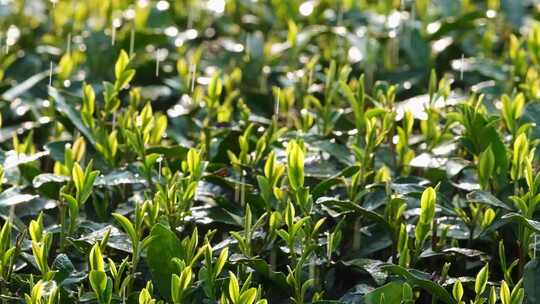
column 269, row 151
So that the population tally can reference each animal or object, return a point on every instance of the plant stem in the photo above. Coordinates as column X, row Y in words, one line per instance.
column 62, row 216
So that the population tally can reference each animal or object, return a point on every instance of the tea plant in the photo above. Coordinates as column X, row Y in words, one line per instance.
column 252, row 152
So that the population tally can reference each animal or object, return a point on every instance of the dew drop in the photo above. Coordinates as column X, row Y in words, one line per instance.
column 162, row 5
column 306, row 8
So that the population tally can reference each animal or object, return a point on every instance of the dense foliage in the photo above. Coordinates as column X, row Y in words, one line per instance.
column 270, row 151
